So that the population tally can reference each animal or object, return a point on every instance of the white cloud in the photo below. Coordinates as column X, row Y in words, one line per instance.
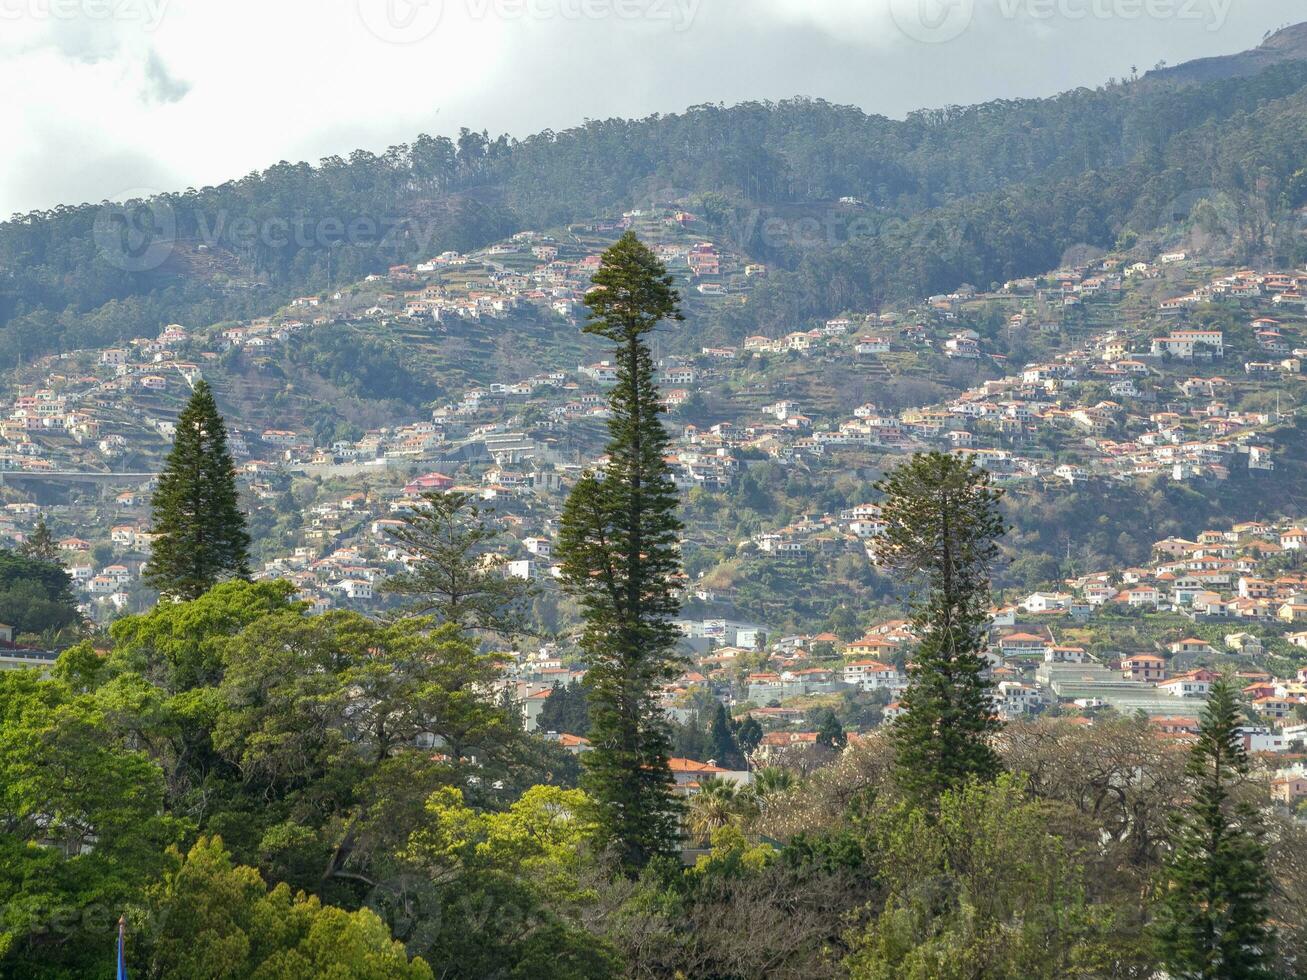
column 107, row 95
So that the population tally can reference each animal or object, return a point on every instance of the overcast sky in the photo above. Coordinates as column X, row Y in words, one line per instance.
column 109, row 98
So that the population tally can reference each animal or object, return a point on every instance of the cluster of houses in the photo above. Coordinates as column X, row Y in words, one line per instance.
column 75, row 416
column 1219, row 607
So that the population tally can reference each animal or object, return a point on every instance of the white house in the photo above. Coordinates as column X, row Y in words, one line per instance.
column 872, row 675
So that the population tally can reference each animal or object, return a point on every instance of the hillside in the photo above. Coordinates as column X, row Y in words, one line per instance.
column 1288, row 44
column 853, row 209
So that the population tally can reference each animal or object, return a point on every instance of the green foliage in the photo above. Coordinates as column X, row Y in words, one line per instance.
column 566, row 710
column 457, row 578
column 40, row 544
column 325, row 717
column 308, row 743
column 831, row 734
column 618, row 548
column 528, row 867
column 362, row 366
column 35, row 594
column 721, row 745
column 985, row 887
column 941, row 525
column 211, row 920
column 749, row 735
column 199, row 527
column 1212, row 921
column 716, row 806
column 82, row 829
column 179, row 645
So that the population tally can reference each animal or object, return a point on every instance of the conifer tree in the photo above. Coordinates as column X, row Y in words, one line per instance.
column 457, row 578
column 1212, row 921
column 40, row 544
column 941, row 527
column 566, row 710
column 201, row 537
column 619, row 551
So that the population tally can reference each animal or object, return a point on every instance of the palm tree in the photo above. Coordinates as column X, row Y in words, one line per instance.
column 714, row 806
column 770, row 783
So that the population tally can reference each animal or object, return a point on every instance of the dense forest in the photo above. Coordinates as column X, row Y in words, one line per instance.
column 960, row 194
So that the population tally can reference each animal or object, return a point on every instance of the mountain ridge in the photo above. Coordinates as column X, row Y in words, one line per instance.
column 947, row 196
column 1286, row 44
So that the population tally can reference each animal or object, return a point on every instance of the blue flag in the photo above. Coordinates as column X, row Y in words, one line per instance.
column 122, row 956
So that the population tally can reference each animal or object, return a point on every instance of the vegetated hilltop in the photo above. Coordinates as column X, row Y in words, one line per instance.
column 1287, row 44
column 900, row 208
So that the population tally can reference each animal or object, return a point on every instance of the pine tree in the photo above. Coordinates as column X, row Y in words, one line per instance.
column 200, row 530
column 456, row 577
column 1212, row 921
column 941, row 526
column 619, row 551
column 40, row 544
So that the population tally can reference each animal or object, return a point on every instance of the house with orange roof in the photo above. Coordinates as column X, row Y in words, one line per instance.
column 776, row 745
column 689, row 774
column 871, row 646
column 1143, row 667
column 1294, row 539
column 1064, row 654
column 532, row 705
column 1175, row 724
column 1023, row 644
column 1273, row 708
column 1140, row 596
column 576, row 744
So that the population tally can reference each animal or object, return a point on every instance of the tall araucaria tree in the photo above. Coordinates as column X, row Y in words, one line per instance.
column 1212, row 924
column 200, row 533
column 942, row 524
column 619, row 547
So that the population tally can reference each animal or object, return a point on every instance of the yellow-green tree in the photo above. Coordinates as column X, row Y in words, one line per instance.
column 212, row 920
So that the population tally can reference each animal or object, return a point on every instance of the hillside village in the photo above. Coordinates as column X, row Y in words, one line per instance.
column 1144, row 640
column 827, row 537
column 1134, row 388
column 1118, row 402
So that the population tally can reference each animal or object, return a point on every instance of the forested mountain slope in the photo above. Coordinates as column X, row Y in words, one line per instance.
column 971, row 194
